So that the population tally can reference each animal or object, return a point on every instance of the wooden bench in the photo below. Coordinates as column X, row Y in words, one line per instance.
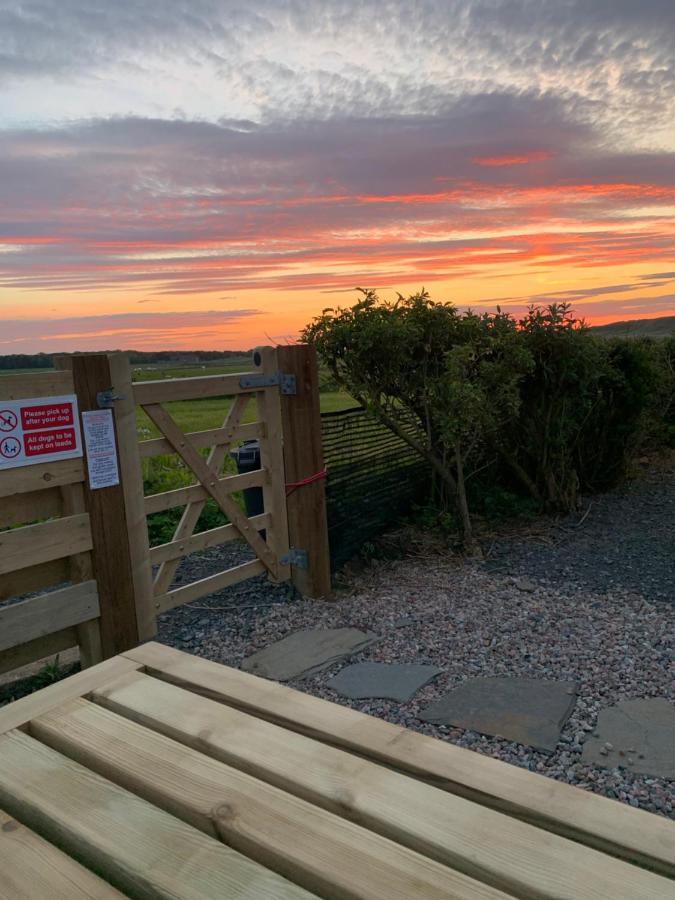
column 159, row 774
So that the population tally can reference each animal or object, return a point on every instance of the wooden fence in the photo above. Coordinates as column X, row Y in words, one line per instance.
column 51, row 547
column 97, row 539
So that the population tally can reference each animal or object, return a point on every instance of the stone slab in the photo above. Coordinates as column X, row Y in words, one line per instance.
column 307, row 652
column 638, row 735
column 526, row 710
column 382, row 681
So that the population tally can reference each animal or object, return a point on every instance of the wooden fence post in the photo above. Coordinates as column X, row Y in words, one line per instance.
column 107, row 512
column 131, row 476
column 303, row 457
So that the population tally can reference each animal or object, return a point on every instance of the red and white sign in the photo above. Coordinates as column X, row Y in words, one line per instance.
column 37, row 430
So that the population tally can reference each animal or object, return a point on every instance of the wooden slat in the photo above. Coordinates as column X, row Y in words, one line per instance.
column 195, row 388
column 33, row 618
column 320, row 851
column 213, row 437
column 208, row 585
column 23, row 508
column 35, row 544
column 193, row 459
column 596, row 821
column 460, row 833
column 38, row 384
column 40, row 648
column 140, row 849
column 21, row 711
column 26, row 581
column 33, row 869
column 181, row 496
column 272, row 459
column 203, row 541
column 25, row 479
column 191, row 513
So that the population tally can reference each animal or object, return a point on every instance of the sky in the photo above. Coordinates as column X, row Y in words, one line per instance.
column 212, row 174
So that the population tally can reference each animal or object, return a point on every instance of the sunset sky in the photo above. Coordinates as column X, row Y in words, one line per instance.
column 211, row 174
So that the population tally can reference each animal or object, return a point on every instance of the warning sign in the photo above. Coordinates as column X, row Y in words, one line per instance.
column 37, row 430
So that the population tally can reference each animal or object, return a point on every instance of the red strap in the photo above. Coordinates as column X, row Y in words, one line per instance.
column 293, row 485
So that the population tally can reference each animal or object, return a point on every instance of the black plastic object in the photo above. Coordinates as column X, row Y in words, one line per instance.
column 247, row 458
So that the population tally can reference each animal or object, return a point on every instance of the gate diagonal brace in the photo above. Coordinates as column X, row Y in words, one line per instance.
column 285, row 382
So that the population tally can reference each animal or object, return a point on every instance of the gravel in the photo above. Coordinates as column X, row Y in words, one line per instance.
column 531, row 609
column 627, row 539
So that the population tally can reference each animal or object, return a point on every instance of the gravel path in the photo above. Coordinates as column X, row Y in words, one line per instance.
column 612, row 633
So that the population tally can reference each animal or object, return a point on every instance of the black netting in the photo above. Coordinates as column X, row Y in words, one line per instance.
column 373, row 479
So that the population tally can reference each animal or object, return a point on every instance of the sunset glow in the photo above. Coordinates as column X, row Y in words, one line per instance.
column 213, row 179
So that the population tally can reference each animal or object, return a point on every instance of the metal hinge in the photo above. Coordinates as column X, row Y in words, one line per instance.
column 295, row 557
column 106, row 399
column 285, row 382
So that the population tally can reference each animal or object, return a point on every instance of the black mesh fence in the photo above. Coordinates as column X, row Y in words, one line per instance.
column 373, row 479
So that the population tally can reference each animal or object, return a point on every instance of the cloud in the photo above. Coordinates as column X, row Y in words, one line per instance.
column 119, row 330
column 178, row 207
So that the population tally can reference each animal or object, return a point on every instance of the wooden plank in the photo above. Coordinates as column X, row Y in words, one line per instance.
column 36, row 578
column 132, row 487
column 181, row 496
column 203, row 541
column 209, row 585
column 193, row 459
column 303, row 458
column 37, row 384
column 40, row 648
column 318, row 850
column 137, row 847
column 21, row 711
column 272, row 459
column 191, row 513
column 30, row 507
column 195, row 388
column 29, row 619
column 572, row 812
column 33, row 869
column 213, row 437
column 35, row 544
column 456, row 832
column 107, row 510
column 26, row 479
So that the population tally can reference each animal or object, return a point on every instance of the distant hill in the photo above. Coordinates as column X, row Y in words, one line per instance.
column 662, row 327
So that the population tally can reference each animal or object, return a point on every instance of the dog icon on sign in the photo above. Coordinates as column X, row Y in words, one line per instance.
column 10, row 447
column 8, row 420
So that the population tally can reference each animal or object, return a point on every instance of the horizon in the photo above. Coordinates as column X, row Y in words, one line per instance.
column 212, row 180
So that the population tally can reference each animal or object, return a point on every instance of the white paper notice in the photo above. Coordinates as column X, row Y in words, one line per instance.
column 99, row 439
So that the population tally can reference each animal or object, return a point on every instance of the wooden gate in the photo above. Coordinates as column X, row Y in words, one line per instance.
column 289, row 540
column 261, row 388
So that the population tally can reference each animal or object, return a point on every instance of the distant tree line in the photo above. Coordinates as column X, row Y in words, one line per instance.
column 136, row 357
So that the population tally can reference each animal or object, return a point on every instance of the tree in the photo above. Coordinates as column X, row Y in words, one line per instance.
column 442, row 381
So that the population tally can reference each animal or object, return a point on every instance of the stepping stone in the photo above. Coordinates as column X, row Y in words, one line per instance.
column 399, row 681
column 525, row 710
column 307, row 652
column 638, row 735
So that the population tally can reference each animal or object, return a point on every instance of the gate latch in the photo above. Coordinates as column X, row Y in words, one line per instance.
column 106, row 399
column 295, row 557
column 284, row 381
